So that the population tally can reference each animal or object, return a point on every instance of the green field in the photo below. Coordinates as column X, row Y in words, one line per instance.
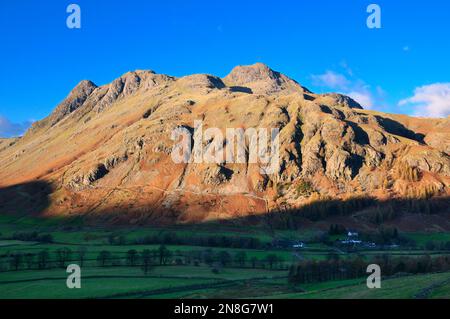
column 187, row 273
column 406, row 287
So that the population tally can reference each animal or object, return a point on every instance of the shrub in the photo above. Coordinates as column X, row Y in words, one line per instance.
column 304, row 188
column 215, row 270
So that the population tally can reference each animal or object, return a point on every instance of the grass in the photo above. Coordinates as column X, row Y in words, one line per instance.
column 423, row 238
column 92, row 287
column 396, row 288
column 442, row 292
column 189, row 281
column 98, row 282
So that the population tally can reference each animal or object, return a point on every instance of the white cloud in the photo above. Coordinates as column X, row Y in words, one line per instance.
column 331, row 79
column 430, row 100
column 351, row 86
column 364, row 98
column 10, row 129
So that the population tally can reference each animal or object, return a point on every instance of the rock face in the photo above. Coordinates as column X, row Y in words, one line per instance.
column 340, row 100
column 107, row 150
column 260, row 79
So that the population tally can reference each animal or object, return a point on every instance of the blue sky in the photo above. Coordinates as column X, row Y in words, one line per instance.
column 404, row 67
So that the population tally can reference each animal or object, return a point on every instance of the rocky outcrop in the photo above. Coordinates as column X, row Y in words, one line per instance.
column 129, row 84
column 335, row 99
column 260, row 79
column 71, row 103
column 202, row 83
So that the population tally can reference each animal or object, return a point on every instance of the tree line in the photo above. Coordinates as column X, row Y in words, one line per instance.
column 145, row 259
column 172, row 238
column 373, row 210
column 33, row 236
column 311, row 271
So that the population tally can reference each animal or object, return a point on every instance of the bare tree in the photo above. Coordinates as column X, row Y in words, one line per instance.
column 132, row 257
column 82, row 255
column 224, row 258
column 103, row 257
column 240, row 258
column 63, row 256
column 43, row 259
column 16, row 260
column 146, row 257
column 164, row 255
column 254, row 260
column 271, row 259
column 29, row 260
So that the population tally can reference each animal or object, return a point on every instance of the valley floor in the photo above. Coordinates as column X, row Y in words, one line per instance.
column 187, row 271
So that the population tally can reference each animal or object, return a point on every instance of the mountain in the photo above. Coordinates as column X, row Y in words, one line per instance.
column 105, row 151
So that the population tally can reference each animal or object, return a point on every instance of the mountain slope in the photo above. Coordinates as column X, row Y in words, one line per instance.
column 107, row 150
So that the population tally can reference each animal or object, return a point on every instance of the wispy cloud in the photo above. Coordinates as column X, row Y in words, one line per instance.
column 331, row 80
column 430, row 100
column 349, row 85
column 10, row 129
column 362, row 97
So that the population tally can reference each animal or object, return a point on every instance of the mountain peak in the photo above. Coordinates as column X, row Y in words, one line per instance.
column 85, row 85
column 244, row 74
column 72, row 102
column 76, row 98
column 261, row 79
